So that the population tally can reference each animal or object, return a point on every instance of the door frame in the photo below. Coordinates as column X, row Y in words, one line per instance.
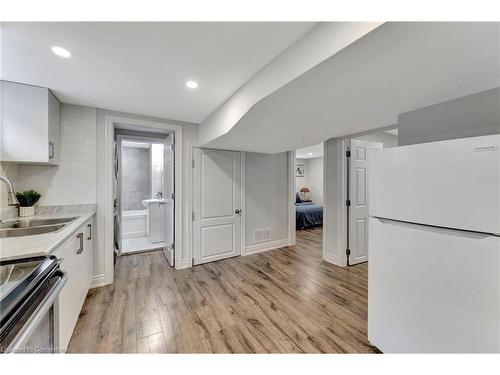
column 130, row 123
column 192, row 146
column 135, row 138
column 335, row 196
column 292, row 228
column 344, row 187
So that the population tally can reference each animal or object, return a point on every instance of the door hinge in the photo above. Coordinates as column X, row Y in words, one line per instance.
column 192, row 163
column 348, row 203
column 192, row 216
column 348, row 153
column 347, row 252
column 173, row 246
column 172, row 146
column 172, row 195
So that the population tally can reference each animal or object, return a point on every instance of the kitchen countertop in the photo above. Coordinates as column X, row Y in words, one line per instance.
column 42, row 244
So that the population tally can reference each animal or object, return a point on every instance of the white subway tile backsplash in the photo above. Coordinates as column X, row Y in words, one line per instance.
column 90, row 140
column 75, row 130
column 68, row 155
column 77, row 165
column 71, row 139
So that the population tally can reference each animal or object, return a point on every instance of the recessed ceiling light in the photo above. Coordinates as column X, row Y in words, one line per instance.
column 310, row 154
column 192, row 84
column 62, row 52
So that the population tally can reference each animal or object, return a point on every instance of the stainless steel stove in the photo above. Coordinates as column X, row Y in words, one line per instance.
column 28, row 290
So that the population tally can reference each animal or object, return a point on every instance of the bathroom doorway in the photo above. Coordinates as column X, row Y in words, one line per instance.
column 144, row 204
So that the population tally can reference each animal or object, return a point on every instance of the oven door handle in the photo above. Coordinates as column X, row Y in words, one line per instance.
column 40, row 312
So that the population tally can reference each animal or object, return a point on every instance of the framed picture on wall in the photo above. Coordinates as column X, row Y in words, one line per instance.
column 299, row 170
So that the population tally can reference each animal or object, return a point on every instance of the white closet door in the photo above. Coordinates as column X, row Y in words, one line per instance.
column 217, row 205
column 358, row 195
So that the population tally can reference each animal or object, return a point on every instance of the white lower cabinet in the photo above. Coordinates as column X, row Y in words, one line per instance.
column 77, row 260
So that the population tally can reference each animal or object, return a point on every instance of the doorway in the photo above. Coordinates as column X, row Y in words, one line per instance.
column 309, row 176
column 359, row 152
column 144, row 193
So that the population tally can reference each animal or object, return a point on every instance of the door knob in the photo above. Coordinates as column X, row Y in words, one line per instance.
column 237, row 211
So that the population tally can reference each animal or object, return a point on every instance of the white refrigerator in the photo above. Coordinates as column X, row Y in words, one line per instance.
column 434, row 247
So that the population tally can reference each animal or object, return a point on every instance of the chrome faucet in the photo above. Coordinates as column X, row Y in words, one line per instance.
column 11, row 194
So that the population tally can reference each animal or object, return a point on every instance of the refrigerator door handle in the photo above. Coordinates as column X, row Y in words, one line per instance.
column 436, row 229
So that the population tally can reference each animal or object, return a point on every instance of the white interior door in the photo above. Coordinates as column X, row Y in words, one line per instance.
column 217, row 205
column 168, row 170
column 358, row 195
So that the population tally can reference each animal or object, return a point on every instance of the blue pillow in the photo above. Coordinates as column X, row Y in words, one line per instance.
column 297, row 198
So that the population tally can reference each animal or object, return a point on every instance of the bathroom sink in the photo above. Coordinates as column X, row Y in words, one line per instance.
column 16, row 224
column 30, row 231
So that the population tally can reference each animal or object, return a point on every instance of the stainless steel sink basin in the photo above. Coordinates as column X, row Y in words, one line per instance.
column 31, row 227
column 30, row 223
column 19, row 232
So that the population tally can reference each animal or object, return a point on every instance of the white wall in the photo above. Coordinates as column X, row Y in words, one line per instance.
column 334, row 231
column 300, row 182
column 387, row 139
column 469, row 116
column 266, row 198
column 73, row 181
column 313, row 178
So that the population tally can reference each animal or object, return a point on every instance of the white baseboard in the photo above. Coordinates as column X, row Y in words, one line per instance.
column 254, row 249
column 97, row 281
column 135, row 234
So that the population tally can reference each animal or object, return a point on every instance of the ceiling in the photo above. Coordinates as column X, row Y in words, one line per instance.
column 142, row 68
column 396, row 68
column 310, row 152
column 323, row 41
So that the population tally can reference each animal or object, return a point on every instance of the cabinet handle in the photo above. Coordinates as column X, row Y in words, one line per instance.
column 80, row 237
column 90, row 231
column 51, row 150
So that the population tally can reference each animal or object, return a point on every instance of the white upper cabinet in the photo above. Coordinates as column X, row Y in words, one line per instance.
column 30, row 124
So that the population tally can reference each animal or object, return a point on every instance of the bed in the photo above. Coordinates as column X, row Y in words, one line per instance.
column 307, row 215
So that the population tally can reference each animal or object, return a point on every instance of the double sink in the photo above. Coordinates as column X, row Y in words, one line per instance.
column 30, row 227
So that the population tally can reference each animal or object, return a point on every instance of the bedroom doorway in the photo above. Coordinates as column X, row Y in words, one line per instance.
column 359, row 150
column 309, row 187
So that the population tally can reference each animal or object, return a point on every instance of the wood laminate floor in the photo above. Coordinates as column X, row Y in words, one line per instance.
column 286, row 300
